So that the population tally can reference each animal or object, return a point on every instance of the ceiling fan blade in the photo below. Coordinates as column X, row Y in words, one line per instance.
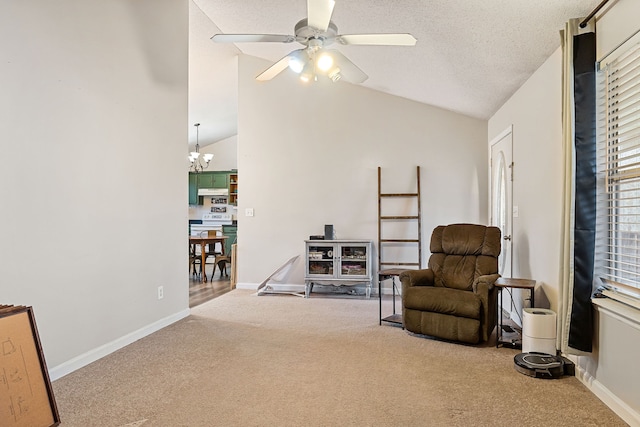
column 319, row 13
column 377, row 39
column 252, row 38
column 278, row 67
column 349, row 71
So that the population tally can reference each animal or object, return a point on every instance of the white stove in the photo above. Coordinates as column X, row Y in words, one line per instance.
column 212, row 221
column 217, row 218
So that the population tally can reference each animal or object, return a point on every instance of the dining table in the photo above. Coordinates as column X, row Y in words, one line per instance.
column 203, row 241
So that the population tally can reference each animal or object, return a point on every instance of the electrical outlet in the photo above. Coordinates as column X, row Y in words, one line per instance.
column 248, row 212
column 160, row 292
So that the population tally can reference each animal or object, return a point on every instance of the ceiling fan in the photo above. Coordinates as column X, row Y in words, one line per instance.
column 316, row 32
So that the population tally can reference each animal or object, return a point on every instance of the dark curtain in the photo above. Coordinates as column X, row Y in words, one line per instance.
column 584, row 57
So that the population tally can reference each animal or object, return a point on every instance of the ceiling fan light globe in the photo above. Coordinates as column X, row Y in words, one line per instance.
column 308, row 71
column 306, row 76
column 296, row 65
column 324, row 62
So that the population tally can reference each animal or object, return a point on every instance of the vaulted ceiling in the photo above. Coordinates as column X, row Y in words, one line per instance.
column 471, row 56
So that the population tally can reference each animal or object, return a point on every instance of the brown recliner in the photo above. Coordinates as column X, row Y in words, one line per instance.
column 455, row 297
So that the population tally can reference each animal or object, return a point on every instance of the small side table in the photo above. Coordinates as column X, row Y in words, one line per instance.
column 506, row 282
column 390, row 273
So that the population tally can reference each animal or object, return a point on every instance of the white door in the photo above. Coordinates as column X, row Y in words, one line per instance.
column 501, row 195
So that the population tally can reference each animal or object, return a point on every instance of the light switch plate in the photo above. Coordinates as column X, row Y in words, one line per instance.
column 248, row 212
column 515, row 212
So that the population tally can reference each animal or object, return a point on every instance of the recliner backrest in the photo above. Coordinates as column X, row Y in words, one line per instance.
column 462, row 252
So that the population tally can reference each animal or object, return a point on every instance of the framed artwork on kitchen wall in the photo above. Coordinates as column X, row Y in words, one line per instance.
column 26, row 396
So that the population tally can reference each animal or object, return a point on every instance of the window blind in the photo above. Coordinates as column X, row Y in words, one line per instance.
column 619, row 166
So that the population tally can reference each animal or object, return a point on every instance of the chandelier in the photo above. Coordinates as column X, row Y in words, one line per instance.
column 194, row 156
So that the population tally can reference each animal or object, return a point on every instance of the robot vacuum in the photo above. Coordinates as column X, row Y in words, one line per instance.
column 539, row 365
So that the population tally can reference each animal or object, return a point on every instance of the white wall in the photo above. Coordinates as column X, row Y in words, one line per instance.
column 225, row 154
column 536, row 115
column 535, row 112
column 308, row 156
column 92, row 170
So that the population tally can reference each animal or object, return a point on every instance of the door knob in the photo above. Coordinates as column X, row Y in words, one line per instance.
column 507, row 237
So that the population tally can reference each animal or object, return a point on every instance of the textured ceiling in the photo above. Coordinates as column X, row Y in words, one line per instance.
column 471, row 56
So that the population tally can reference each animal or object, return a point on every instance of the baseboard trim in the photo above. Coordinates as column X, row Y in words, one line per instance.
column 91, row 356
column 624, row 411
column 247, row 286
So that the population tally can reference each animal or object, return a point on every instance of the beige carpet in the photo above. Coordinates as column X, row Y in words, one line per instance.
column 244, row 360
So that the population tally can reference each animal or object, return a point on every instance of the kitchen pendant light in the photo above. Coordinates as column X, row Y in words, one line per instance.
column 194, row 156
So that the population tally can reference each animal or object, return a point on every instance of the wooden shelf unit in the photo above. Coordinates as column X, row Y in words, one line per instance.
column 391, row 268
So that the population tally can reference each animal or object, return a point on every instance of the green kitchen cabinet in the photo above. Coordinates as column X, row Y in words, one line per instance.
column 205, row 180
column 193, row 188
column 212, row 179
column 215, row 179
column 220, row 179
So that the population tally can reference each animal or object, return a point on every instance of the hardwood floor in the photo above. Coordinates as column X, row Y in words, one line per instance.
column 203, row 292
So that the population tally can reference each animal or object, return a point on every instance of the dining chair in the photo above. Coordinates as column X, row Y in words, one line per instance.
column 194, row 260
column 223, row 259
column 212, row 251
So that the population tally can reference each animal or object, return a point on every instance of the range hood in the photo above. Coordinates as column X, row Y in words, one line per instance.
column 213, row 192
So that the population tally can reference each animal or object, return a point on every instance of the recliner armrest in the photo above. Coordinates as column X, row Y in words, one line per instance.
column 417, row 278
column 483, row 284
column 484, row 288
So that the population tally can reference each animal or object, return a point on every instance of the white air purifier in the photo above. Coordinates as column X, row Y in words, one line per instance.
column 539, row 331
